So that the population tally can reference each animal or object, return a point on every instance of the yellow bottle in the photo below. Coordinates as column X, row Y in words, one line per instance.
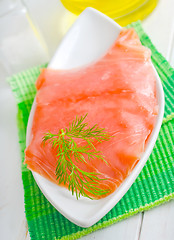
column 122, row 11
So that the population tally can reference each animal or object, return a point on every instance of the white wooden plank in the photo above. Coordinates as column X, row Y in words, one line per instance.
column 159, row 23
column 128, row 229
column 158, row 223
column 27, row 237
column 23, row 231
column 170, row 55
column 11, row 191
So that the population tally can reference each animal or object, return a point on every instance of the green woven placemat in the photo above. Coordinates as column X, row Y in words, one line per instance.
column 154, row 186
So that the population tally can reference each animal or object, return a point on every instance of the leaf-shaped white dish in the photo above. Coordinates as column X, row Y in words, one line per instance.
column 89, row 38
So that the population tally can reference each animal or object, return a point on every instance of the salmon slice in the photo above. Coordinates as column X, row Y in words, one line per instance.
column 119, row 94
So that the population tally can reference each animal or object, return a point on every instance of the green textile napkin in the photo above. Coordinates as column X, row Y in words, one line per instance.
column 154, row 185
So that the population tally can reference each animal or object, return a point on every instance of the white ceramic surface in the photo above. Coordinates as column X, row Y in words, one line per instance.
column 89, row 39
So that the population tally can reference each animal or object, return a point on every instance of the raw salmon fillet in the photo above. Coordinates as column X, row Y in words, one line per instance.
column 119, row 94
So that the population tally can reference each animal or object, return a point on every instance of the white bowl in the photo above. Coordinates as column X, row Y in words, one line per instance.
column 89, row 38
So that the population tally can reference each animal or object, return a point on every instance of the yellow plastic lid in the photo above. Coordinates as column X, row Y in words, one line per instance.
column 122, row 11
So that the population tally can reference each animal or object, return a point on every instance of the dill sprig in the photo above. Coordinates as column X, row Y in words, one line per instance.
column 80, row 182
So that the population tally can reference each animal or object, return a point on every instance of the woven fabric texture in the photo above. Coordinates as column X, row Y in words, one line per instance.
column 154, row 185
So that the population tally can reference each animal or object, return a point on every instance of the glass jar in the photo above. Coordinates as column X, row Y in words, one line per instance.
column 122, row 11
column 21, row 44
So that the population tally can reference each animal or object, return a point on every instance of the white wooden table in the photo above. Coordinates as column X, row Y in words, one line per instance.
column 156, row 224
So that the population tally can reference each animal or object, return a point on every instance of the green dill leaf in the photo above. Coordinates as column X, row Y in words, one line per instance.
column 80, row 183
